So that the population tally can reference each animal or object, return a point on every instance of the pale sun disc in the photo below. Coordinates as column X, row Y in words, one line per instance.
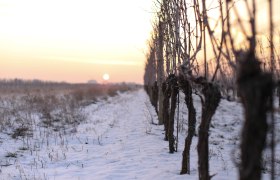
column 106, row 77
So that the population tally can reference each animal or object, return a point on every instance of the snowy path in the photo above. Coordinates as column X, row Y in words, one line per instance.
column 132, row 148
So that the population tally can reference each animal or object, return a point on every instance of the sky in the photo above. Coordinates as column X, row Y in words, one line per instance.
column 74, row 40
column 79, row 40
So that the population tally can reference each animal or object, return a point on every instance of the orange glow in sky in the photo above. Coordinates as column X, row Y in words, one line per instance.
column 74, row 40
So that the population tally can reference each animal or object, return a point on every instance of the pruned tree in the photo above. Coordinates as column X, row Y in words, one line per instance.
column 210, row 102
column 172, row 80
column 185, row 85
column 255, row 89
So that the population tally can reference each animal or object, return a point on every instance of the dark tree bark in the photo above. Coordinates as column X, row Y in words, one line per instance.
column 166, row 107
column 187, row 90
column 278, row 92
column 160, row 70
column 255, row 89
column 154, row 96
column 212, row 97
column 146, row 88
column 174, row 93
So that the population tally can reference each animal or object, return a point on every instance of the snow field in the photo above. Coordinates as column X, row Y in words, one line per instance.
column 119, row 141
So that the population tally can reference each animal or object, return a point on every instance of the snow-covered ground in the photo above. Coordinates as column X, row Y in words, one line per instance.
column 119, row 141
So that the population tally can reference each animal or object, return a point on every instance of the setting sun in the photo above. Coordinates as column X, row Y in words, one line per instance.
column 106, row 77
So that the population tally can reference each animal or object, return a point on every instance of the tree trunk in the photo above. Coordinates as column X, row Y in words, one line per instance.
column 255, row 89
column 160, row 72
column 154, row 96
column 187, row 90
column 278, row 92
column 212, row 97
column 166, row 107
column 174, row 93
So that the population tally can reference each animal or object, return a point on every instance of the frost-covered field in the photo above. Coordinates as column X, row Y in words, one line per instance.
column 117, row 140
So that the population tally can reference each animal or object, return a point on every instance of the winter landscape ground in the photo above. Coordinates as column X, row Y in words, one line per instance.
column 119, row 139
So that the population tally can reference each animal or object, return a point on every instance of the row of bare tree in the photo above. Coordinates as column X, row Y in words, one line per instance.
column 210, row 48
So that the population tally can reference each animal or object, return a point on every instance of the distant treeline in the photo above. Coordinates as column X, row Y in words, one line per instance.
column 20, row 85
column 34, row 82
